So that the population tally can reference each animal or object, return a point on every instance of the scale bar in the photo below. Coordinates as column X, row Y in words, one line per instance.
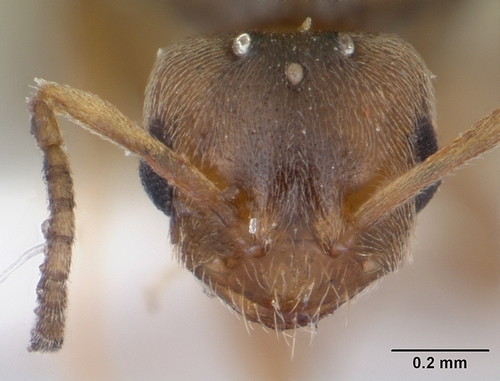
column 440, row 350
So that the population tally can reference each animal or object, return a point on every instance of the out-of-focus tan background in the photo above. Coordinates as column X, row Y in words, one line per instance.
column 449, row 297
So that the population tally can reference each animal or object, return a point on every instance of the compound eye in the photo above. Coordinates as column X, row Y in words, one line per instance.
column 157, row 188
column 425, row 143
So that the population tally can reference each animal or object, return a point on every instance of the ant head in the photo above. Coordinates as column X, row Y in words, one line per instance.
column 297, row 131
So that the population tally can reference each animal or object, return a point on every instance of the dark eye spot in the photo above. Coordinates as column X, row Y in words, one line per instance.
column 425, row 145
column 156, row 186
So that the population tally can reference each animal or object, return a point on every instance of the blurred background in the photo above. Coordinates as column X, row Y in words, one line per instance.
column 449, row 297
